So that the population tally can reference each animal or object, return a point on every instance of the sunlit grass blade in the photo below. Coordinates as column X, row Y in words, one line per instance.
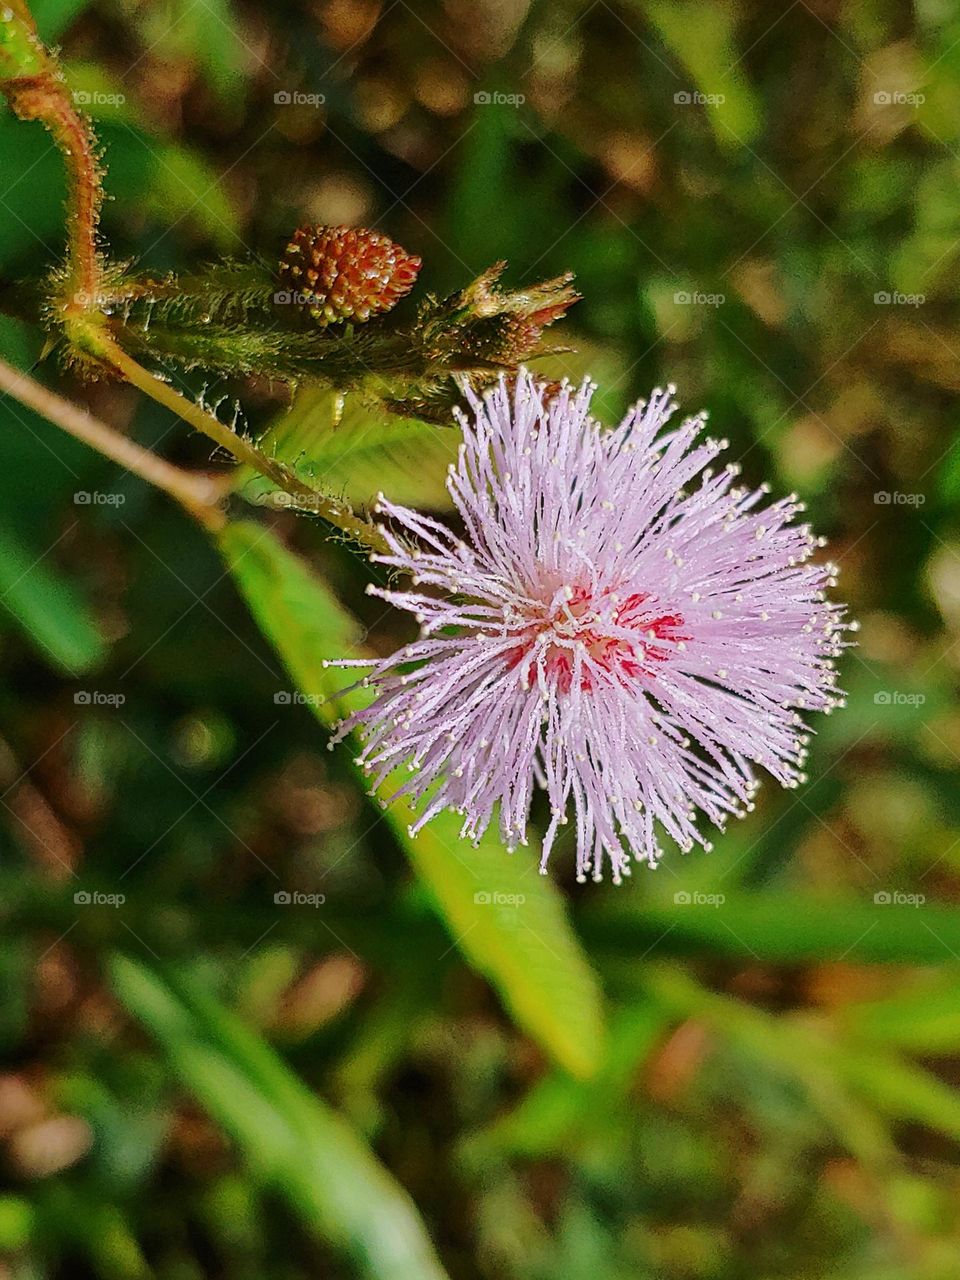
column 922, row 1015
column 903, row 1091
column 777, row 927
column 48, row 608
column 793, row 1051
column 290, row 1139
column 550, row 1118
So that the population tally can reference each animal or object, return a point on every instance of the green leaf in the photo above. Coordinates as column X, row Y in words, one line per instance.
column 527, row 950
column 42, row 471
column 54, row 16
column 295, row 611
column 47, row 607
column 363, row 452
column 948, row 473
column 924, row 261
column 903, row 1091
column 792, row 1049
column 290, row 1139
column 549, row 1119
column 703, row 37
column 31, row 212
column 168, row 182
column 923, row 1016
column 508, row 920
column 207, row 35
column 164, row 181
column 765, row 926
column 16, row 1223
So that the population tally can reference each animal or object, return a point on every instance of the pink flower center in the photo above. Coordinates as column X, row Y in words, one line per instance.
column 626, row 638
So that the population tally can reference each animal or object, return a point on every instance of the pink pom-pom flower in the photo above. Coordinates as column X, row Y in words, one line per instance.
column 620, row 625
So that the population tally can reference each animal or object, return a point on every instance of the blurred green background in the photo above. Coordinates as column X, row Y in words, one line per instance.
column 246, row 1030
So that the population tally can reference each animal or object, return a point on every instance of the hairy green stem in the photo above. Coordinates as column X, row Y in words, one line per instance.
column 305, row 498
column 32, row 81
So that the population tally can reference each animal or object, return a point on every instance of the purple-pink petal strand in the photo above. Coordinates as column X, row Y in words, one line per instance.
column 621, row 625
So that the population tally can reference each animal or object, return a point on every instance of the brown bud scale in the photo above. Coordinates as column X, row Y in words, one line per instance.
column 346, row 273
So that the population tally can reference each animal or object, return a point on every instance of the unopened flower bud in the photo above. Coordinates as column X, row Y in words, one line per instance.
column 346, row 273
